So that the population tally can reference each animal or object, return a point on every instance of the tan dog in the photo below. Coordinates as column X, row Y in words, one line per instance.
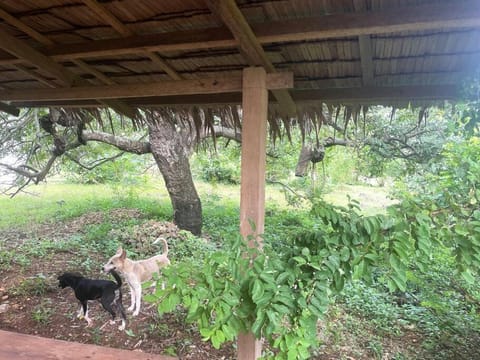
column 137, row 272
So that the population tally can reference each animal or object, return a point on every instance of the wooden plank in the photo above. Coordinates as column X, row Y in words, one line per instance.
column 25, row 28
column 366, row 59
column 17, row 346
column 370, row 95
column 413, row 18
column 162, row 64
column 9, row 109
column 252, row 183
column 250, row 47
column 122, row 29
column 108, row 17
column 36, row 58
column 164, row 88
column 116, row 105
column 91, row 70
column 36, row 76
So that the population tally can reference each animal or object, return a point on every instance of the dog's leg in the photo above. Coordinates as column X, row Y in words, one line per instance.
column 117, row 302
column 80, row 312
column 107, row 302
column 132, row 298
column 85, row 312
column 138, row 298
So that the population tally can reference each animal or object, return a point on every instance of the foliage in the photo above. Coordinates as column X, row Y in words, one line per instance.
column 218, row 162
column 42, row 313
column 450, row 194
column 286, row 288
column 122, row 169
column 398, row 142
column 32, row 286
column 470, row 108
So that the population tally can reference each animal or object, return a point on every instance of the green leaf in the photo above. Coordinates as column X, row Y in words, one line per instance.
column 217, row 339
column 287, row 301
column 150, row 298
column 292, row 353
column 258, row 323
column 281, row 309
column 468, row 277
column 206, row 333
column 306, row 252
column 300, row 260
column 130, row 333
column 257, row 290
column 344, row 254
column 229, row 332
column 282, row 277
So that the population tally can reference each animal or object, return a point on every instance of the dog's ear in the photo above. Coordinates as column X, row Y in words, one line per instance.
column 123, row 255
column 119, row 250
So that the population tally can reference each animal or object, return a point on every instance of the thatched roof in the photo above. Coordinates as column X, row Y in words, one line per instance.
column 137, row 53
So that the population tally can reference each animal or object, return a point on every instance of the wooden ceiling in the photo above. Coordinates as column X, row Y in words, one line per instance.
column 132, row 53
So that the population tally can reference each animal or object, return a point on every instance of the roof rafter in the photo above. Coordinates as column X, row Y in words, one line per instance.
column 424, row 17
column 36, row 76
column 23, row 51
column 356, row 95
column 9, row 109
column 366, row 59
column 123, row 30
column 250, row 47
column 48, row 64
column 174, row 87
column 366, row 50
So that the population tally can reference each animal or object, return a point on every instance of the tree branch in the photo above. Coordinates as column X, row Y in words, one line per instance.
column 96, row 163
column 128, row 145
column 31, row 173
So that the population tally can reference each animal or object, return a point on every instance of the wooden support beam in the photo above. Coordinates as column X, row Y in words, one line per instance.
column 250, row 47
column 366, row 59
column 9, row 109
column 122, row 29
column 181, row 87
column 36, row 76
column 162, row 64
column 380, row 95
column 412, row 18
column 365, row 48
column 108, row 17
column 23, row 51
column 67, row 77
column 25, row 28
column 229, row 13
column 360, row 95
column 357, row 95
column 252, row 183
column 91, row 70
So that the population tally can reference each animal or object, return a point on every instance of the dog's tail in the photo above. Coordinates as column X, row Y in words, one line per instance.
column 117, row 278
column 165, row 245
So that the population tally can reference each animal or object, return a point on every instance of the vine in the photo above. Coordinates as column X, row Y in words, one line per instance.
column 280, row 292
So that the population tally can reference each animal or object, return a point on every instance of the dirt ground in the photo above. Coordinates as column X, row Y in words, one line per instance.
column 42, row 308
column 49, row 311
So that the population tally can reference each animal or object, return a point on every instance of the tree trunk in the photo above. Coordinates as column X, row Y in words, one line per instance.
column 171, row 149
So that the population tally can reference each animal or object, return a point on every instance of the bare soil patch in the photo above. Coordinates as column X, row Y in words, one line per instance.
column 39, row 307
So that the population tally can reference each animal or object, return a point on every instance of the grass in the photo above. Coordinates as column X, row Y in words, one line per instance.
column 60, row 201
column 360, row 307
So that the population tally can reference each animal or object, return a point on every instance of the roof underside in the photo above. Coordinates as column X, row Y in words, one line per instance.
column 349, row 51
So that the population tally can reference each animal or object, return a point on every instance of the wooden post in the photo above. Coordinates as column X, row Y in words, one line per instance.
column 252, row 185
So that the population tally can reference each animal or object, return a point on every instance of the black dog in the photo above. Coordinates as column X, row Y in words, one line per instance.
column 106, row 291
